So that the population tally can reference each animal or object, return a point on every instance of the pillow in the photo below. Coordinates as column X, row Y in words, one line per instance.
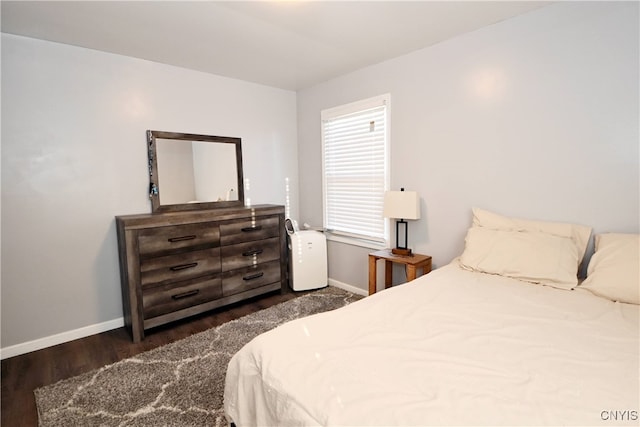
column 525, row 255
column 578, row 233
column 614, row 269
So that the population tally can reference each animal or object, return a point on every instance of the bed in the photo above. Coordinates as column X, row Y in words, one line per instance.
column 497, row 337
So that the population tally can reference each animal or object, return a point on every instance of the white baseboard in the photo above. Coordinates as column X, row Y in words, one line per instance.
column 40, row 343
column 349, row 288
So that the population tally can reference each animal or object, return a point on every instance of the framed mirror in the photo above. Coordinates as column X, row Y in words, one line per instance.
column 189, row 171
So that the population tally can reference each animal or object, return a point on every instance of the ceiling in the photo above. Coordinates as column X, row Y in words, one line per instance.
column 286, row 44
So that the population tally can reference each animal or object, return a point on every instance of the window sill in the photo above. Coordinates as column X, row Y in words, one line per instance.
column 354, row 241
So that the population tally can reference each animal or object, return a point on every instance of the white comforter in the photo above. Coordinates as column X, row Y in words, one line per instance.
column 450, row 348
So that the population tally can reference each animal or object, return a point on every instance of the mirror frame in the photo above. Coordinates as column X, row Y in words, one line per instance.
column 154, row 181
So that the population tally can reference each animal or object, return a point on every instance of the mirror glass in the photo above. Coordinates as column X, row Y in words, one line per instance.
column 189, row 171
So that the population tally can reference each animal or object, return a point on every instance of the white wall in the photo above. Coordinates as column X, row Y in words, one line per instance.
column 536, row 117
column 74, row 156
column 176, row 173
column 215, row 172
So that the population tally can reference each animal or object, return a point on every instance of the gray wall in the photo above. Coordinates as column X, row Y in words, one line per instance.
column 536, row 116
column 74, row 156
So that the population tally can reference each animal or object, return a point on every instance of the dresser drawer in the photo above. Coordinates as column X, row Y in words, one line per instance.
column 251, row 277
column 181, row 266
column 164, row 299
column 164, row 240
column 250, row 253
column 249, row 229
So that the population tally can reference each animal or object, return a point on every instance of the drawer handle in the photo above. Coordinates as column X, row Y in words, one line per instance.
column 183, row 266
column 252, row 252
column 253, row 276
column 254, row 228
column 182, row 238
column 185, row 294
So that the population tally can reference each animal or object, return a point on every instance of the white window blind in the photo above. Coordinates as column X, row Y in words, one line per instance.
column 355, row 159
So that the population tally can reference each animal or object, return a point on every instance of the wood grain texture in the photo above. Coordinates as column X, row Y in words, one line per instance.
column 174, row 251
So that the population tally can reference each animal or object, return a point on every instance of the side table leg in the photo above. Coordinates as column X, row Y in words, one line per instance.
column 411, row 272
column 372, row 275
column 388, row 274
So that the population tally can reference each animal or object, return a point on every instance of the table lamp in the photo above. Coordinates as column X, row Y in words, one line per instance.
column 401, row 205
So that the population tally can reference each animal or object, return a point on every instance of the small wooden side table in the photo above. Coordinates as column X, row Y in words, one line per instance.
column 413, row 262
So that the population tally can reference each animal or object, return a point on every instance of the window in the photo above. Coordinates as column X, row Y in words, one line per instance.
column 355, row 142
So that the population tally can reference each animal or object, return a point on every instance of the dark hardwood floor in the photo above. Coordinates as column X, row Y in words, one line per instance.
column 21, row 375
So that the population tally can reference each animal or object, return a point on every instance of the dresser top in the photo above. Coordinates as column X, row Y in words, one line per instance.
column 175, row 218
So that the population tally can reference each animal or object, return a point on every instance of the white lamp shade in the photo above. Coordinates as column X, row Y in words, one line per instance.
column 401, row 204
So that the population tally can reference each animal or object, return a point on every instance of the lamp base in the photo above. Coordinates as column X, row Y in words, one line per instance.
column 401, row 252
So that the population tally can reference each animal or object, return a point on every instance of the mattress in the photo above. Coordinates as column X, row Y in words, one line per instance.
column 453, row 347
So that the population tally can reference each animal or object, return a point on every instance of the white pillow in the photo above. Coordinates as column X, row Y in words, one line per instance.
column 614, row 269
column 525, row 255
column 578, row 233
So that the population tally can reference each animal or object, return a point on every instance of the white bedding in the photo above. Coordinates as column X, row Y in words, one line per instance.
column 453, row 347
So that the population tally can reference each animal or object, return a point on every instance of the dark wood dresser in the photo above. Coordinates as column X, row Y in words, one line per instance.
column 177, row 264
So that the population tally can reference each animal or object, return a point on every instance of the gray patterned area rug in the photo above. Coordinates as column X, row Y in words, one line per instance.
column 179, row 384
